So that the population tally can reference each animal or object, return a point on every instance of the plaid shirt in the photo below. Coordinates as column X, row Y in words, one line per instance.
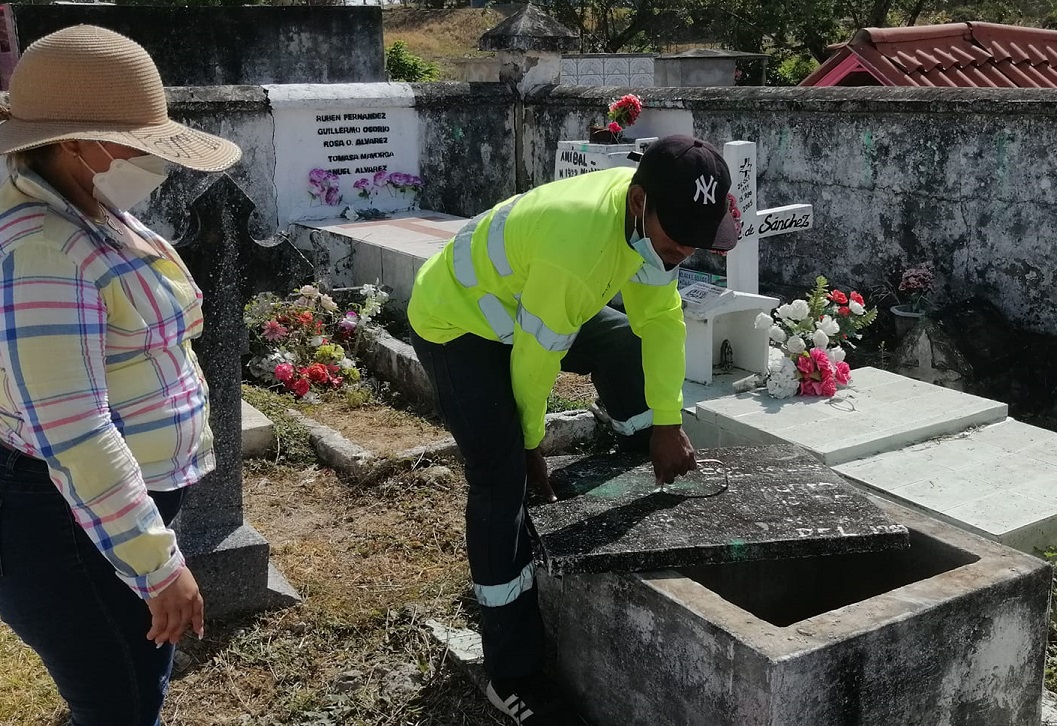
column 98, row 377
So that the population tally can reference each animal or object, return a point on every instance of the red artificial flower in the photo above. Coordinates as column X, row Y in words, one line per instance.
column 283, row 372
column 614, row 127
column 844, row 311
column 317, row 373
column 336, row 381
column 856, row 297
column 305, row 318
column 838, row 297
column 629, row 105
column 301, row 386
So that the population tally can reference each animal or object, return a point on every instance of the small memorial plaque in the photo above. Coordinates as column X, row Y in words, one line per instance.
column 746, row 503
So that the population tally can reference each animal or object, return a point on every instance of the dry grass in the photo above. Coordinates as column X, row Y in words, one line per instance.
column 439, row 35
column 372, row 564
column 376, row 427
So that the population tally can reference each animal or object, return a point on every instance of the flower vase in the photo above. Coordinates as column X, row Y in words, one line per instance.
column 905, row 319
column 602, row 135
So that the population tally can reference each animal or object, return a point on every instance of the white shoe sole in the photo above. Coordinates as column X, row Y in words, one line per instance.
column 512, row 707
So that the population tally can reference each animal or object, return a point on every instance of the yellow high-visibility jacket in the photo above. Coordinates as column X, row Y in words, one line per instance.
column 533, row 269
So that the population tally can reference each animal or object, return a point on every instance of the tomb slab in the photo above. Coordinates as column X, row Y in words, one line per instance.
column 770, row 502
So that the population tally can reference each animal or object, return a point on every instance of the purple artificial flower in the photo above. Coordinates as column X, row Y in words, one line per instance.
column 349, row 322
column 361, row 183
column 380, row 178
column 332, row 196
column 414, row 181
column 400, row 179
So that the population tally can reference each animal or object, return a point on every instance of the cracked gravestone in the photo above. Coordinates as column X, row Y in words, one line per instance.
column 757, row 503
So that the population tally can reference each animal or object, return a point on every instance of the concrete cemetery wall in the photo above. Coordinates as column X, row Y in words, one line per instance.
column 193, row 45
column 962, row 178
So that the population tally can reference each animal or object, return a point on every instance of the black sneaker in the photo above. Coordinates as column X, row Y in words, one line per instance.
column 532, row 701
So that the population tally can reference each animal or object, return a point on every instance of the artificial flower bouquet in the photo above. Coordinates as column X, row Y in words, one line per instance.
column 306, row 344
column 914, row 288
column 808, row 339
column 623, row 112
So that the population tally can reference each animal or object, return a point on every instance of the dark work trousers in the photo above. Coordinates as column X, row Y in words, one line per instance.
column 62, row 598
column 471, row 383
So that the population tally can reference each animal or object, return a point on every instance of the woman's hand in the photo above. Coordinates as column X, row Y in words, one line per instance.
column 174, row 610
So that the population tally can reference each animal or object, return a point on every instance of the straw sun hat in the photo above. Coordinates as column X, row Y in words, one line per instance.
column 93, row 84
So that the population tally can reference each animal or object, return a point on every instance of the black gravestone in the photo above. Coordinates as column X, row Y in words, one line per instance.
column 768, row 502
column 228, row 557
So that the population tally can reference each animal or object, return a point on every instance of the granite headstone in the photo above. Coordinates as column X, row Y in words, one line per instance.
column 228, row 557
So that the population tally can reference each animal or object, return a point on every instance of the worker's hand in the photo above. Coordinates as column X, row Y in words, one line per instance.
column 536, row 468
column 671, row 453
column 176, row 609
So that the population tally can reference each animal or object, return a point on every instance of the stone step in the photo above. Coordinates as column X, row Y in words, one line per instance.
column 880, row 411
column 998, row 480
column 258, row 433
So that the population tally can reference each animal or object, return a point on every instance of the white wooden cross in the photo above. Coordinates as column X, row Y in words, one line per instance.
column 743, row 262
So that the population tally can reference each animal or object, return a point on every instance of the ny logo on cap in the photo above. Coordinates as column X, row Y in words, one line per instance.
column 705, row 190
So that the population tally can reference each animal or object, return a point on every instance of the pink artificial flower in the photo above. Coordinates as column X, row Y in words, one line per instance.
column 301, row 386
column 806, row 365
column 810, row 388
column 827, row 387
column 842, row 372
column 274, row 331
column 283, row 372
column 614, row 127
column 844, row 311
column 822, row 363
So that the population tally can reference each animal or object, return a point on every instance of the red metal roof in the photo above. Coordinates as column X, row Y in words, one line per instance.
column 982, row 55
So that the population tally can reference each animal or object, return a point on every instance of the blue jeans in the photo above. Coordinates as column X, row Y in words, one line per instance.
column 62, row 598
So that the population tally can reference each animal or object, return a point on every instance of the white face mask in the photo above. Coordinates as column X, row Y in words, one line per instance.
column 644, row 245
column 128, row 181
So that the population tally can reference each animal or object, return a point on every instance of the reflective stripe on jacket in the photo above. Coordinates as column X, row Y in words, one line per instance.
column 534, row 268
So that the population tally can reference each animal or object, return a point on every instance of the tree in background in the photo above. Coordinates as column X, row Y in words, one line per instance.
column 795, row 33
column 403, row 65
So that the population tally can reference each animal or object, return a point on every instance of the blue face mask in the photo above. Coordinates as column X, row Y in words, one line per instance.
column 644, row 245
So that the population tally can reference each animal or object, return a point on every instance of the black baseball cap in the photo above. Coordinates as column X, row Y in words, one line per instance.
column 687, row 181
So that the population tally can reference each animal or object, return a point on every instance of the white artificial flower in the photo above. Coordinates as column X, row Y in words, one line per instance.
column 856, row 308
column 820, row 339
column 828, row 325
column 795, row 345
column 836, row 355
column 777, row 334
column 381, row 296
column 309, row 291
column 369, row 290
column 315, row 341
column 327, row 303
column 782, row 380
column 312, row 397
column 798, row 310
column 785, row 311
column 763, row 321
column 371, row 307
column 346, row 364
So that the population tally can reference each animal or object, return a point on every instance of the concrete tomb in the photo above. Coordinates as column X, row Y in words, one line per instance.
column 950, row 630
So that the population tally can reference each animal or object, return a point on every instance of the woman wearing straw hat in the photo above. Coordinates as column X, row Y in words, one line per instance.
column 103, row 408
